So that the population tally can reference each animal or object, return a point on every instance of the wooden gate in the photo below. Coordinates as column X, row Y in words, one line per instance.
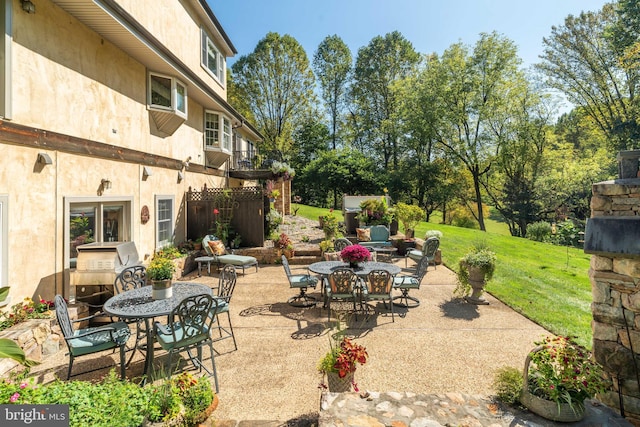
column 241, row 208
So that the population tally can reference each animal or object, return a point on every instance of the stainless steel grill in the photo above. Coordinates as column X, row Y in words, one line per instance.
column 97, row 266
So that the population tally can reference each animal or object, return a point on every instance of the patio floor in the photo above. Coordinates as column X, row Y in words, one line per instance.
column 443, row 345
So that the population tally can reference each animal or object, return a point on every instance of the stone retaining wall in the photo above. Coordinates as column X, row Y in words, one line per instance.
column 38, row 338
column 615, row 283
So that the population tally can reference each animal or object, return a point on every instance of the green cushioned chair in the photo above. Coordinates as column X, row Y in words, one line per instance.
column 189, row 327
column 341, row 285
column 407, row 282
column 429, row 248
column 301, row 282
column 87, row 341
column 379, row 286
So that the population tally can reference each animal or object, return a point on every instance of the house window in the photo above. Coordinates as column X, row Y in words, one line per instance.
column 92, row 219
column 211, row 129
column 164, row 221
column 213, row 138
column 226, row 134
column 168, row 94
column 212, row 60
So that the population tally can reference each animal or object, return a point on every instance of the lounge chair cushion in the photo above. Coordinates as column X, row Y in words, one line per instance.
column 364, row 234
column 238, row 260
column 217, row 247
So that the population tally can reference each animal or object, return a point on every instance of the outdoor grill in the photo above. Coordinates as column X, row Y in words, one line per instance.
column 97, row 266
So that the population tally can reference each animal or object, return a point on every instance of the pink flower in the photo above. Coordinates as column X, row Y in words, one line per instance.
column 355, row 253
column 15, row 397
column 23, row 386
column 216, row 211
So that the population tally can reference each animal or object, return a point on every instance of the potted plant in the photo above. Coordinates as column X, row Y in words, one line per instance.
column 284, row 245
column 474, row 269
column 160, row 271
column 409, row 216
column 197, row 396
column 339, row 365
column 558, row 376
column 354, row 254
column 329, row 225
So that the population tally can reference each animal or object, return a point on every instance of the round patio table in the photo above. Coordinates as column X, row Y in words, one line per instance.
column 138, row 304
column 325, row 268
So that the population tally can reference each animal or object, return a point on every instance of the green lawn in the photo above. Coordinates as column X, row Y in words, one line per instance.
column 548, row 284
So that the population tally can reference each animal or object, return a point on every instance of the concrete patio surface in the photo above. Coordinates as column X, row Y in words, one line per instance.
column 444, row 345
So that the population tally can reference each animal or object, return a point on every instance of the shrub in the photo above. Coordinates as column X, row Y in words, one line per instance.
column 567, row 234
column 25, row 310
column 508, row 384
column 539, row 231
column 409, row 215
column 169, row 252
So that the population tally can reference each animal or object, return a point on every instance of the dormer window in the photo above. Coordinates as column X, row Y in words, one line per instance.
column 212, row 60
column 167, row 94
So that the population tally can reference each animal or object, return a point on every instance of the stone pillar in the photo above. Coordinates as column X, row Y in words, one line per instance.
column 615, row 282
column 283, row 202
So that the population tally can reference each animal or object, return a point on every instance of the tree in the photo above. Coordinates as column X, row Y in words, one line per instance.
column 581, row 61
column 332, row 65
column 380, row 64
column 474, row 90
column 276, row 82
column 512, row 184
column 349, row 171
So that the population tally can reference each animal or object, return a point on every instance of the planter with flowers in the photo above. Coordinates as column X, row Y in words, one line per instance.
column 284, row 245
column 474, row 269
column 339, row 365
column 160, row 272
column 558, row 376
column 355, row 254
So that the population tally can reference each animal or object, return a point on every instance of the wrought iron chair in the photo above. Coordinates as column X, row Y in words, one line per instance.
column 407, row 282
column 189, row 327
column 301, row 282
column 226, row 285
column 429, row 248
column 342, row 285
column 132, row 277
column 91, row 340
column 379, row 286
column 341, row 243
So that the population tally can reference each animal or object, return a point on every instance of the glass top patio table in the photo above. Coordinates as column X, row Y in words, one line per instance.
column 138, row 304
column 327, row 267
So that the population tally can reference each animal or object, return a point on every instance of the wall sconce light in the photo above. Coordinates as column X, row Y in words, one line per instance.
column 180, row 176
column 28, row 6
column 44, row 159
column 146, row 172
column 185, row 164
column 106, row 184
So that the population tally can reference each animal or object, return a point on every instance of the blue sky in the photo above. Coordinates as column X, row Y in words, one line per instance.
column 430, row 25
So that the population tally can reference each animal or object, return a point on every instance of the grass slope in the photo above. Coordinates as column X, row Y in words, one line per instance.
column 546, row 283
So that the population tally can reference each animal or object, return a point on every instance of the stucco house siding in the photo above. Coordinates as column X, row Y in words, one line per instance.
column 79, row 117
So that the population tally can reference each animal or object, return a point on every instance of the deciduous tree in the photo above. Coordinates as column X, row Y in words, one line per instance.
column 277, row 83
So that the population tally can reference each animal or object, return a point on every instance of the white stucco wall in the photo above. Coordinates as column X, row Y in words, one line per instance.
column 68, row 80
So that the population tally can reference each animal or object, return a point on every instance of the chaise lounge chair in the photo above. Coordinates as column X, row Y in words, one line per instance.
column 220, row 257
